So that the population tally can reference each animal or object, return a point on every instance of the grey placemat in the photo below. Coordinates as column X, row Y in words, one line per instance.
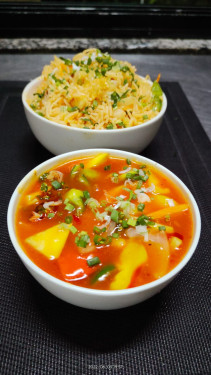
column 168, row 334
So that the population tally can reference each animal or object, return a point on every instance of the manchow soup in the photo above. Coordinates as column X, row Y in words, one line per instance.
column 104, row 222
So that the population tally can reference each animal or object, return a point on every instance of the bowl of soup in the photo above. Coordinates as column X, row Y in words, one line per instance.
column 103, row 229
column 93, row 101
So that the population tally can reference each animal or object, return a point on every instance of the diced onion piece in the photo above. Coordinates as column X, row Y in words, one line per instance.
column 125, row 170
column 47, row 205
column 55, row 175
column 35, row 216
column 143, row 197
column 138, row 230
column 111, row 228
column 171, row 202
column 141, row 172
column 150, row 189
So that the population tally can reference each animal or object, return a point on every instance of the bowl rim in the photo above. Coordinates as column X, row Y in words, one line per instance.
column 62, row 158
column 99, row 131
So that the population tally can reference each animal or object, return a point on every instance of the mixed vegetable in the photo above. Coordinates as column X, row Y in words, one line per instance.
column 104, row 222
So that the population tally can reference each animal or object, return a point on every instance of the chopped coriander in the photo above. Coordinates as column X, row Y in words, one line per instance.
column 125, row 82
column 128, row 161
column 145, row 117
column 56, row 184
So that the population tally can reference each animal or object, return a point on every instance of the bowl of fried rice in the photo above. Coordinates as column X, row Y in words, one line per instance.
column 93, row 100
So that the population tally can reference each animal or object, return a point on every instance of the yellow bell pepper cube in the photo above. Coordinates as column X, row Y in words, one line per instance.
column 31, row 198
column 91, row 174
column 158, row 189
column 97, row 160
column 160, row 201
column 132, row 257
column 174, row 243
column 75, row 196
column 50, row 242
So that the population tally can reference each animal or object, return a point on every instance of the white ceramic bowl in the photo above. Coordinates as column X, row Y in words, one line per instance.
column 99, row 299
column 59, row 138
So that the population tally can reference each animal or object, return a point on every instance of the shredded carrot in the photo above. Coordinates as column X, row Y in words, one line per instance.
column 168, row 211
column 158, row 78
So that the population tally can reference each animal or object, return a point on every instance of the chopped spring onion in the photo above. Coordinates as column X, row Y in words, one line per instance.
column 73, row 229
column 56, row 184
column 82, row 240
column 115, row 216
column 69, row 207
column 104, row 272
column 93, row 261
column 68, row 219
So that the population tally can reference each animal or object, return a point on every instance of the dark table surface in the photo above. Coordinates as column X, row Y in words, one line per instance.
column 168, row 334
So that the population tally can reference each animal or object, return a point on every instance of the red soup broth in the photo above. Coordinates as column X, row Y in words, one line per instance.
column 104, row 222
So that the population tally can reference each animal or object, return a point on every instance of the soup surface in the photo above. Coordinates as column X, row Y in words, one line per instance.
column 104, row 222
